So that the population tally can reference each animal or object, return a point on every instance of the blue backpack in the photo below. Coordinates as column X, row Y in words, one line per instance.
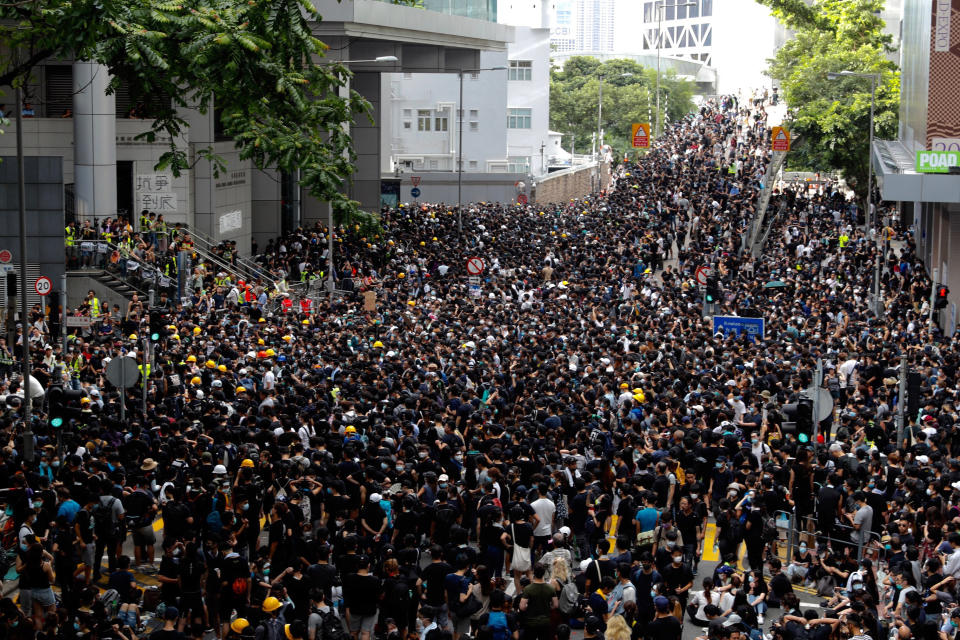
column 214, row 521
column 497, row 621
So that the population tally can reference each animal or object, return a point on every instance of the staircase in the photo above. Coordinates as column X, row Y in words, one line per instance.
column 242, row 268
column 760, row 225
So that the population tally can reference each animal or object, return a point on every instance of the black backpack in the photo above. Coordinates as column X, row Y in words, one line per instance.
column 103, row 523
column 331, row 626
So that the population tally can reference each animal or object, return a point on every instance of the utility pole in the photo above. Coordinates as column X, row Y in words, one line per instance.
column 902, row 399
column 876, row 286
column 817, row 383
column 24, row 312
column 933, row 296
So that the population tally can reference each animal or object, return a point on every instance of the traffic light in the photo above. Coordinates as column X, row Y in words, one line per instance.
column 941, row 301
column 914, row 382
column 63, row 405
column 158, row 324
column 11, row 285
column 804, row 420
column 712, row 295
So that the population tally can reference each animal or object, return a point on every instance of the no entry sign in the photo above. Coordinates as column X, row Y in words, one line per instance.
column 475, row 266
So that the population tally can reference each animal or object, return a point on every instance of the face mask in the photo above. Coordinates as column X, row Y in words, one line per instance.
column 803, row 548
column 671, row 545
column 954, row 624
column 754, row 441
column 400, row 468
column 929, row 492
column 266, row 572
column 23, row 547
column 458, row 458
column 718, row 465
column 694, row 496
column 677, row 559
column 55, row 464
column 76, row 626
column 177, row 553
column 384, row 466
column 339, row 523
column 246, row 505
column 422, row 455
column 653, row 593
column 37, row 504
column 443, row 485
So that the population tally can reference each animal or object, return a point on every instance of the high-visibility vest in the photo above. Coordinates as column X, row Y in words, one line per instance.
column 95, row 307
column 68, row 236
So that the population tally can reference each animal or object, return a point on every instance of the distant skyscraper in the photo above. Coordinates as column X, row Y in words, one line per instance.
column 582, row 25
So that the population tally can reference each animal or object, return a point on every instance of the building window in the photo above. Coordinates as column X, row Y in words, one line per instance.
column 474, row 113
column 519, row 118
column 706, row 8
column 518, row 164
column 440, row 123
column 473, row 164
column 708, row 38
column 474, row 126
column 408, row 113
column 408, row 76
column 423, row 120
column 406, row 125
column 434, row 164
column 474, row 75
column 521, row 70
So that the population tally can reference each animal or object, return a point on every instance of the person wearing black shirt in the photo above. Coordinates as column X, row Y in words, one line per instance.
column 169, row 630
column 664, row 626
column 677, row 578
column 432, row 577
column 361, row 595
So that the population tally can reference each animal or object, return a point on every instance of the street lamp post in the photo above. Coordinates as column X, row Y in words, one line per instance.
column 874, row 79
column 460, row 143
column 331, row 283
column 660, row 5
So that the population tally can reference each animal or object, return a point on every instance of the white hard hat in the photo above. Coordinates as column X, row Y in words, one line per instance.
column 220, row 469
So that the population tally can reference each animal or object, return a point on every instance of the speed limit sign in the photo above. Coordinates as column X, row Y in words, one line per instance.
column 43, row 286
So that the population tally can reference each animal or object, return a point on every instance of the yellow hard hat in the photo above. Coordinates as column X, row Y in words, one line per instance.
column 401, row 275
column 390, row 242
column 287, row 338
column 270, row 353
column 222, row 368
column 133, row 336
column 196, row 331
column 260, row 342
column 238, row 625
column 196, row 380
column 638, row 397
column 262, row 320
column 306, row 322
column 211, row 364
column 248, row 463
column 241, row 389
column 412, row 303
column 191, row 358
column 350, row 429
column 175, row 336
column 422, row 243
column 434, row 238
column 378, row 344
column 271, row 603
column 638, row 390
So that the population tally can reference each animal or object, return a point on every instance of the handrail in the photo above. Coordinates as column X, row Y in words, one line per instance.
column 143, row 268
column 245, row 267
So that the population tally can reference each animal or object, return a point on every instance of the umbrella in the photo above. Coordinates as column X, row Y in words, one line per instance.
column 774, row 284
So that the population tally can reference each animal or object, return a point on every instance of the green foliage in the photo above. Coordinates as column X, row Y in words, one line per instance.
column 257, row 61
column 626, row 99
column 832, row 117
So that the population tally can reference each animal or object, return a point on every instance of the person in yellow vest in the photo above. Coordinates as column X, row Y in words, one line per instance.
column 843, row 239
column 94, row 303
column 70, row 241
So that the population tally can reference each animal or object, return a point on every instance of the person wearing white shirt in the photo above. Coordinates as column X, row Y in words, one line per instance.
column 545, row 510
column 951, row 566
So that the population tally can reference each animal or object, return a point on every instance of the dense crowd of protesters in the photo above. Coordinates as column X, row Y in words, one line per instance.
column 540, row 457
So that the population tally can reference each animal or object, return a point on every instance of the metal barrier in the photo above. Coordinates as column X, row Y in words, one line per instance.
column 790, row 535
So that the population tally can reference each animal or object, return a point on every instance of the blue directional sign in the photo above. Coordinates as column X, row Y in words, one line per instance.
column 415, row 192
column 753, row 327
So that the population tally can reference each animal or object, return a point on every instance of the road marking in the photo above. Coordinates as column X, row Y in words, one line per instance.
column 710, row 551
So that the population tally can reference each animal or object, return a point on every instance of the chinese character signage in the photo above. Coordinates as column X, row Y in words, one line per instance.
column 155, row 192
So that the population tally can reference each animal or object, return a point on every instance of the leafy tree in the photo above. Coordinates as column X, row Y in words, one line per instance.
column 832, row 117
column 628, row 97
column 257, row 61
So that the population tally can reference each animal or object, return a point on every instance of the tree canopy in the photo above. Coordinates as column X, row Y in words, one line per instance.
column 257, row 61
column 574, row 91
column 832, row 117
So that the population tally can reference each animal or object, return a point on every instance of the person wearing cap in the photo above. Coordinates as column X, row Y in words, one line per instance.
column 169, row 631
column 664, row 624
column 373, row 519
column 273, row 626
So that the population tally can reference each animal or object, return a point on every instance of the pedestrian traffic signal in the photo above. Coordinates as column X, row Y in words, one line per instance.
column 158, row 324
column 712, row 295
column 941, row 301
column 798, row 420
column 63, row 405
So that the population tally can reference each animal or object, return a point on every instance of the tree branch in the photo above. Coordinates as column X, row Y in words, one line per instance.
column 7, row 79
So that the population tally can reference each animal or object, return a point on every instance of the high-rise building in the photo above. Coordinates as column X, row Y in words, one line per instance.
column 582, row 25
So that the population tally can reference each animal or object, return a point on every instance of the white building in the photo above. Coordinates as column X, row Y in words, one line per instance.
column 506, row 112
column 576, row 25
column 735, row 37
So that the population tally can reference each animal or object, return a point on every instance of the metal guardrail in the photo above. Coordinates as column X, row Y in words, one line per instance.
column 100, row 255
column 242, row 268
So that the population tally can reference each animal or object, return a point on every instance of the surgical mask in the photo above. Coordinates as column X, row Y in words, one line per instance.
column 384, row 466
column 929, row 492
column 954, row 624
column 400, row 468
column 37, row 504
column 443, row 485
column 694, row 496
column 803, row 548
column 339, row 523
column 246, row 505
column 458, row 457
column 55, row 464
column 23, row 547
column 671, row 545
column 754, row 441
column 653, row 593
column 422, row 455
column 677, row 559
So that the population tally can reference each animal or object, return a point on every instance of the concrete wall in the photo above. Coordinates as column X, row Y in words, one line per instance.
column 79, row 285
column 44, row 204
column 440, row 187
column 563, row 186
